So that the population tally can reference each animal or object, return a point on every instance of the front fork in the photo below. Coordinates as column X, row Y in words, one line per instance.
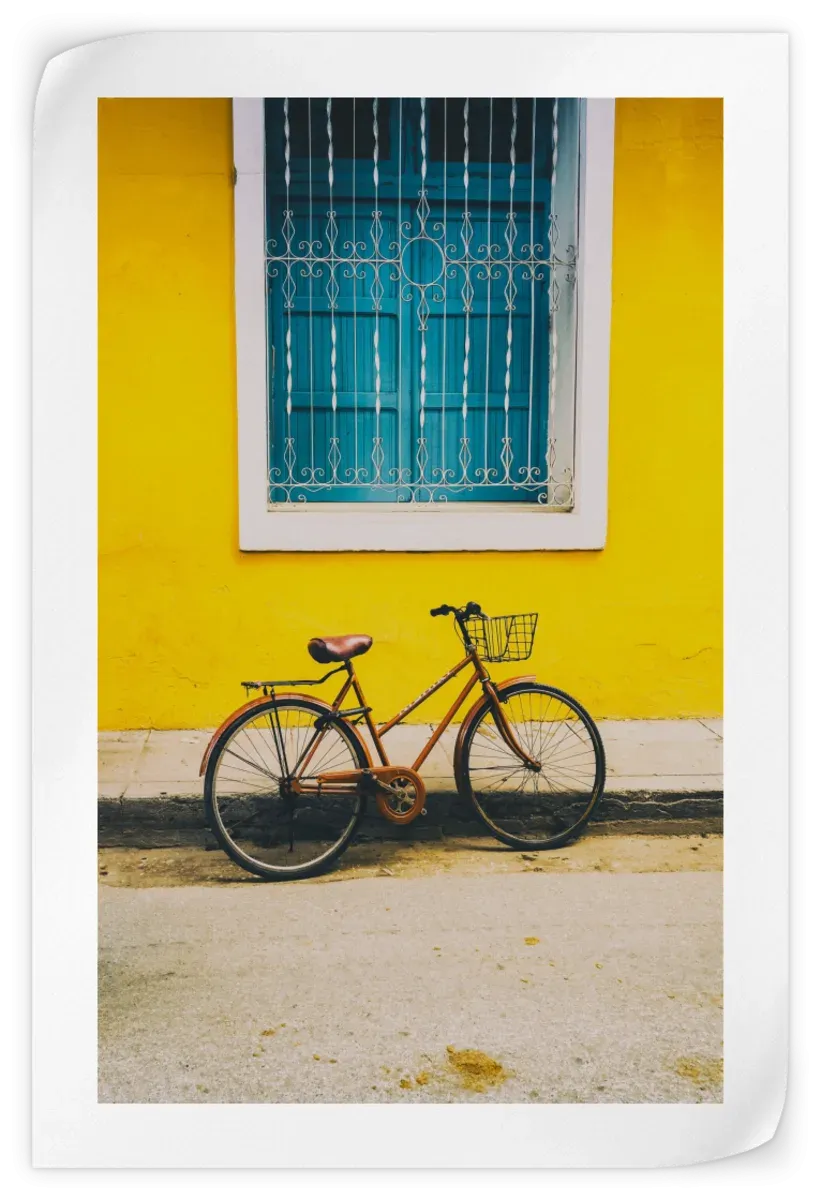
column 505, row 728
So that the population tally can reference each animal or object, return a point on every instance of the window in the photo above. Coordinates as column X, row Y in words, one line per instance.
column 420, row 273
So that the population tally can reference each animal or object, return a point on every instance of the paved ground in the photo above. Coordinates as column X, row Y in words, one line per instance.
column 409, row 859
column 656, row 756
column 590, row 974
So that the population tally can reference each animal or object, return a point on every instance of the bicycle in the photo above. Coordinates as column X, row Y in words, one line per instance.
column 288, row 775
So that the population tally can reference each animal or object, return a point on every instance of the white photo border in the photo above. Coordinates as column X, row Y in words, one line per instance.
column 70, row 1127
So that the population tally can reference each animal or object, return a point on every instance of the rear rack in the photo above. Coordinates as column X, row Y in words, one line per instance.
column 253, row 685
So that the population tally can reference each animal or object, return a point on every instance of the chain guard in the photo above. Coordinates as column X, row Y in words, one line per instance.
column 392, row 782
column 392, row 787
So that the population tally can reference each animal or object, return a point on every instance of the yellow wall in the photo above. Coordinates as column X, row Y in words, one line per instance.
column 633, row 630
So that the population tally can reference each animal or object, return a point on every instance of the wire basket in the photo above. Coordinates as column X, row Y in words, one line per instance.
column 503, row 639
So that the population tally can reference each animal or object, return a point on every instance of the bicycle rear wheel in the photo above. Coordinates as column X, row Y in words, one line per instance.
column 261, row 822
column 524, row 807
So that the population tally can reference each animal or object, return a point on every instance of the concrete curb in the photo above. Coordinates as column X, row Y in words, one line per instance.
column 157, row 821
column 659, row 774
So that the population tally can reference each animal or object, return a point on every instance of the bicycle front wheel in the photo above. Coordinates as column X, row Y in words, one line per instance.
column 263, row 822
column 523, row 806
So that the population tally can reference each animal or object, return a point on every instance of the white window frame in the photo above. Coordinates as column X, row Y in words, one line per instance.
column 450, row 526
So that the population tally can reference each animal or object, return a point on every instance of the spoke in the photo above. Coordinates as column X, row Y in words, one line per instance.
column 258, row 749
column 509, row 775
column 572, row 776
column 249, row 820
column 337, row 749
column 504, row 755
column 304, row 734
column 573, row 754
column 250, row 773
column 250, row 747
column 279, row 743
column 248, row 787
column 498, row 770
column 228, row 750
column 569, row 761
column 305, row 748
column 561, row 725
column 270, row 757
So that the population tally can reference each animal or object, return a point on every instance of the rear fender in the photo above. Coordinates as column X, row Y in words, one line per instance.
column 500, row 687
column 260, row 702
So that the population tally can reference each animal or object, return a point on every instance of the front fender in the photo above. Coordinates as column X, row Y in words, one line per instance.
column 500, row 687
column 260, row 702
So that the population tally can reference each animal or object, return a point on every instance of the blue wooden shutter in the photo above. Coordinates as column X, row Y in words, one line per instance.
column 409, row 298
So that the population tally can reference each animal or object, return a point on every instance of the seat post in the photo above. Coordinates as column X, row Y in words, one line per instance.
column 349, row 667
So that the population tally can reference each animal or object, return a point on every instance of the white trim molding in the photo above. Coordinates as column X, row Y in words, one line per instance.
column 428, row 527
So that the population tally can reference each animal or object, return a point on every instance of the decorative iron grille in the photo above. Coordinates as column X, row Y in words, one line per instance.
column 421, row 262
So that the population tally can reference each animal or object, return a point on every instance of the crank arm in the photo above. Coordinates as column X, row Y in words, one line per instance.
column 379, row 786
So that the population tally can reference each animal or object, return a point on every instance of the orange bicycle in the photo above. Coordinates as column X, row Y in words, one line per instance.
column 288, row 775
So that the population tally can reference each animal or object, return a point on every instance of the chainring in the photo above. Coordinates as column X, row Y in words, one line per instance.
column 400, row 794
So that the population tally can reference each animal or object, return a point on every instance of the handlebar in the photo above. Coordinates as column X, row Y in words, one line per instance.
column 471, row 609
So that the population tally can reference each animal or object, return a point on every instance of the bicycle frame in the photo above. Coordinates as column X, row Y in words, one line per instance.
column 479, row 675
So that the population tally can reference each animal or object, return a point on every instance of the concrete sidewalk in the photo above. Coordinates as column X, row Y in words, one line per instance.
column 655, row 770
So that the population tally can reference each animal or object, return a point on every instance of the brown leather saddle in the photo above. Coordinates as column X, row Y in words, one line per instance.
column 339, row 649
